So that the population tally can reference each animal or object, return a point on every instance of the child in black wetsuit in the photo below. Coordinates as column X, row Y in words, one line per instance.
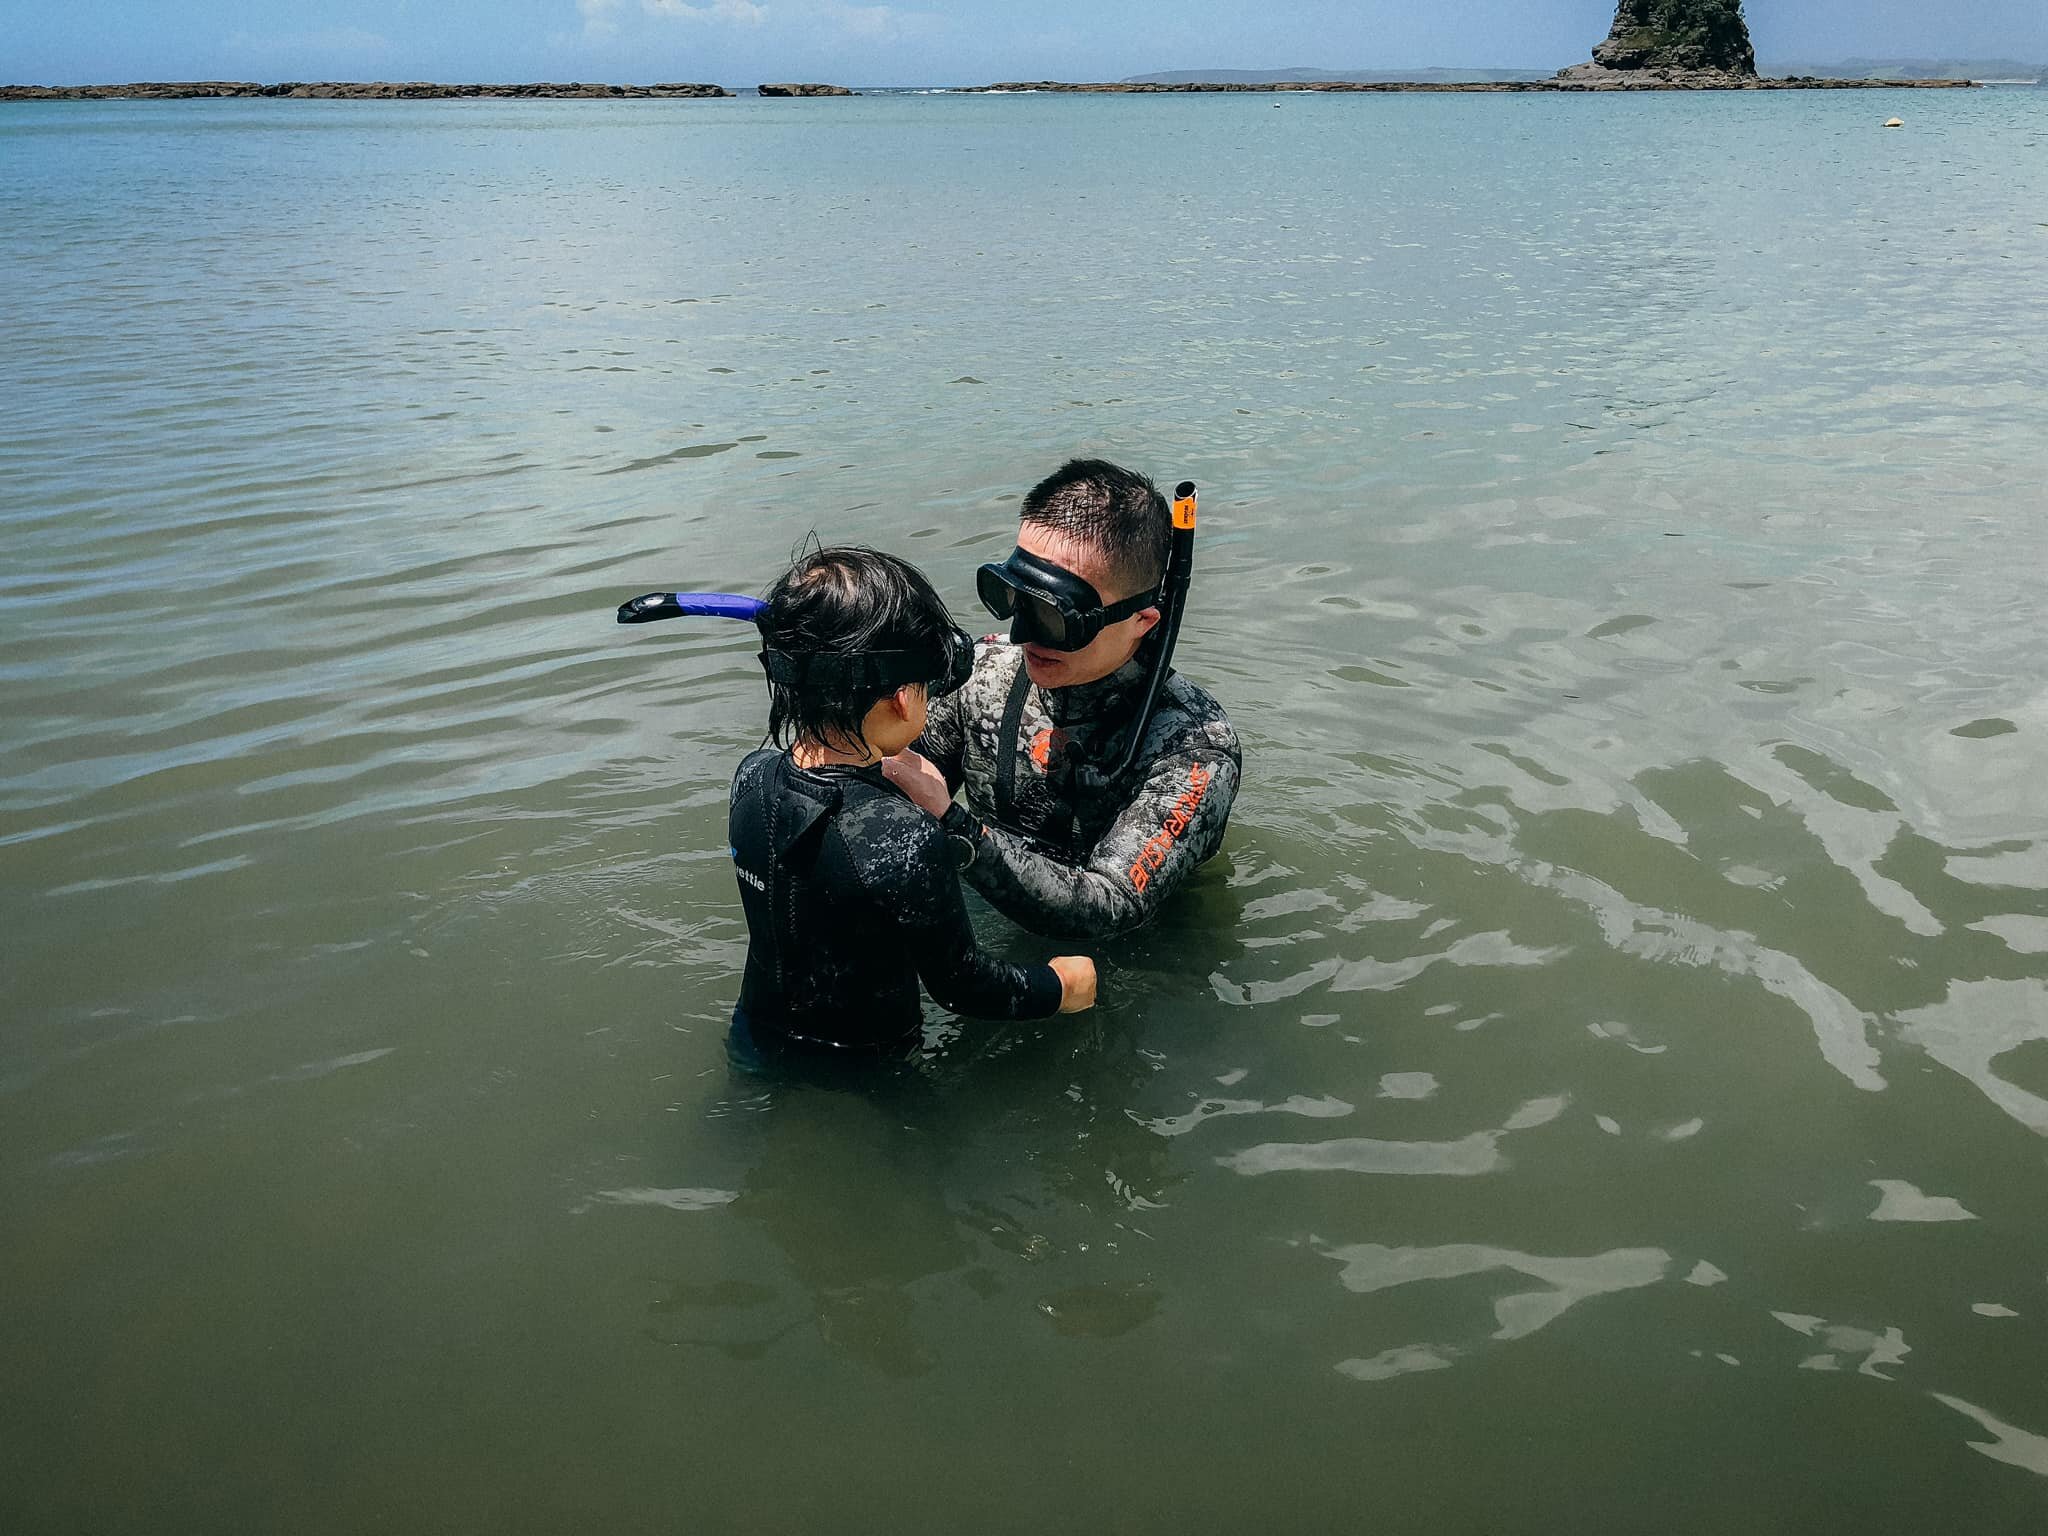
column 850, row 890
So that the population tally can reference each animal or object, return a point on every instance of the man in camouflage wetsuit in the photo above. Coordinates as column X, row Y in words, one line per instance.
column 1051, row 834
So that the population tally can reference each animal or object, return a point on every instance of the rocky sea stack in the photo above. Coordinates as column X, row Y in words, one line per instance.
column 1672, row 42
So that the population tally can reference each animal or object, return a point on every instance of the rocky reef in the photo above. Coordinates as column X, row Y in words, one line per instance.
column 348, row 90
column 803, row 90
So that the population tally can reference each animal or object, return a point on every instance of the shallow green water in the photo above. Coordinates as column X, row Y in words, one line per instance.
column 1603, row 1085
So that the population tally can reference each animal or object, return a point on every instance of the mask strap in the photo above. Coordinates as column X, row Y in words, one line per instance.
column 1116, row 612
column 865, row 669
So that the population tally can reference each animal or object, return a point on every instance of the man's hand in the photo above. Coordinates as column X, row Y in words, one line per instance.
column 1077, row 982
column 917, row 778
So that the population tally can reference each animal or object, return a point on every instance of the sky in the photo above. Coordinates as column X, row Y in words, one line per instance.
column 915, row 42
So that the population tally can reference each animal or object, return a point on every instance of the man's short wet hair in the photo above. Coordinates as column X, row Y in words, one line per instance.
column 1117, row 512
column 835, row 600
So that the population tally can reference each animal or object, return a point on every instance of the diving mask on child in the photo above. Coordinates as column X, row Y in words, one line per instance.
column 943, row 668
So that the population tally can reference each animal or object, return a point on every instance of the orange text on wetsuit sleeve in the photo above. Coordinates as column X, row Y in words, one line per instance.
column 1153, row 854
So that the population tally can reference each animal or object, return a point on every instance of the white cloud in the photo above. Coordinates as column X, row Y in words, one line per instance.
column 880, row 21
column 609, row 26
column 600, row 17
column 741, row 13
column 867, row 20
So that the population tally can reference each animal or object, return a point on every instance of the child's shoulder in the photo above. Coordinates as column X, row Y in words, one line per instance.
column 893, row 844
column 753, row 768
column 880, row 809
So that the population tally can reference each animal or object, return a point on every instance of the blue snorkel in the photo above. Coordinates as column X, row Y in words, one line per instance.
column 703, row 605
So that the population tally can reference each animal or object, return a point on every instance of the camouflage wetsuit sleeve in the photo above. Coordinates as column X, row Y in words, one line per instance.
column 922, row 893
column 944, row 742
column 1170, row 825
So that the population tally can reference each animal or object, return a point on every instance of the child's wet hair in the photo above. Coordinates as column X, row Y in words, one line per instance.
column 834, row 601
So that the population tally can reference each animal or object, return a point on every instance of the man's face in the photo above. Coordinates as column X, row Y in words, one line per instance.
column 1109, row 650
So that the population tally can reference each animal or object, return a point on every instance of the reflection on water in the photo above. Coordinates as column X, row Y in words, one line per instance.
column 1621, row 564
column 1476, row 1153
column 1372, row 1267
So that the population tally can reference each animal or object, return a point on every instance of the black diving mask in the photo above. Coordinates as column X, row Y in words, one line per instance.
column 1048, row 604
column 942, row 671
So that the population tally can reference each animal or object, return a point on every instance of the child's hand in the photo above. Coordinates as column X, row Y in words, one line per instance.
column 1077, row 982
column 910, row 772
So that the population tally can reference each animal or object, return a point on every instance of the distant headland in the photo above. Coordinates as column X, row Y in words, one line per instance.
column 1468, row 87
column 1981, row 71
column 1653, row 45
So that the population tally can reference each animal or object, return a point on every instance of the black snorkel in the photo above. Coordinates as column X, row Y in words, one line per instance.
column 1173, row 602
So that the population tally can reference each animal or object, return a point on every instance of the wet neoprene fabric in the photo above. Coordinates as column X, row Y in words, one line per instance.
column 1053, row 854
column 851, row 898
